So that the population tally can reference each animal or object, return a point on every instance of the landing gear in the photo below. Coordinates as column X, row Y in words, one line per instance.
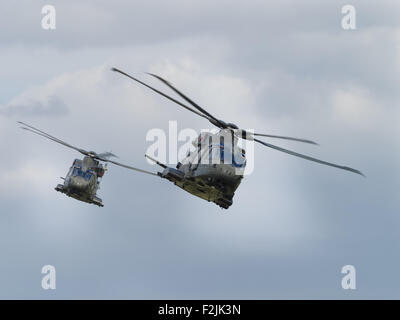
column 59, row 188
column 97, row 201
column 224, row 203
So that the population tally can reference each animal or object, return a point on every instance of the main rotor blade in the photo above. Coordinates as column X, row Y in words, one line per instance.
column 161, row 93
column 102, row 156
column 128, row 167
column 194, row 104
column 45, row 133
column 50, row 137
column 106, row 155
column 309, row 158
column 155, row 161
column 284, row 137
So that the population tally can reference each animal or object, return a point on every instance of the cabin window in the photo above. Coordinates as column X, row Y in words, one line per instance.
column 87, row 175
column 226, row 156
column 211, row 155
column 84, row 174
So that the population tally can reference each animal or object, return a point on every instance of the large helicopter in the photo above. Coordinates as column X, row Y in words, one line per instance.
column 84, row 176
column 206, row 173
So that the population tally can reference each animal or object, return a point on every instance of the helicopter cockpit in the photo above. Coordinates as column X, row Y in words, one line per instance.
column 214, row 149
column 77, row 171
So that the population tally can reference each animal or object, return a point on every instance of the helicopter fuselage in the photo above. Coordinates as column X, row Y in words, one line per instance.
column 213, row 171
column 82, row 181
column 210, row 183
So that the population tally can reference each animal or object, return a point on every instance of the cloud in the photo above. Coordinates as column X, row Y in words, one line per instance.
column 280, row 68
column 52, row 106
column 356, row 108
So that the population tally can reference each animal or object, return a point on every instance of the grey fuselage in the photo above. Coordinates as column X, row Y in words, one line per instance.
column 212, row 172
column 82, row 180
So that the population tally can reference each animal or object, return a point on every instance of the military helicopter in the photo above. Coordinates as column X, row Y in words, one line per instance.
column 205, row 173
column 84, row 176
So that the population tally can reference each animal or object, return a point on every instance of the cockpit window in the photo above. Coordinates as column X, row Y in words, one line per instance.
column 237, row 159
column 84, row 174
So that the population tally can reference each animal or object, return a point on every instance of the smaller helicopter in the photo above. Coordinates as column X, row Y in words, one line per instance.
column 84, row 176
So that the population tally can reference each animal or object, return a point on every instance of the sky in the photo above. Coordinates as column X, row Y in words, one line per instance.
column 278, row 67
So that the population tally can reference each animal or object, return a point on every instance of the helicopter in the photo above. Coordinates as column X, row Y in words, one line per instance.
column 205, row 172
column 84, row 176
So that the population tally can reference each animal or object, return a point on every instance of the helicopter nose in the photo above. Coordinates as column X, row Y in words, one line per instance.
column 78, row 184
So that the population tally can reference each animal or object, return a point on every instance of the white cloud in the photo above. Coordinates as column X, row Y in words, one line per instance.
column 32, row 176
column 280, row 68
column 357, row 109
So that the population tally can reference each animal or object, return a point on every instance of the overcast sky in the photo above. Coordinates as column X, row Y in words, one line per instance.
column 279, row 67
